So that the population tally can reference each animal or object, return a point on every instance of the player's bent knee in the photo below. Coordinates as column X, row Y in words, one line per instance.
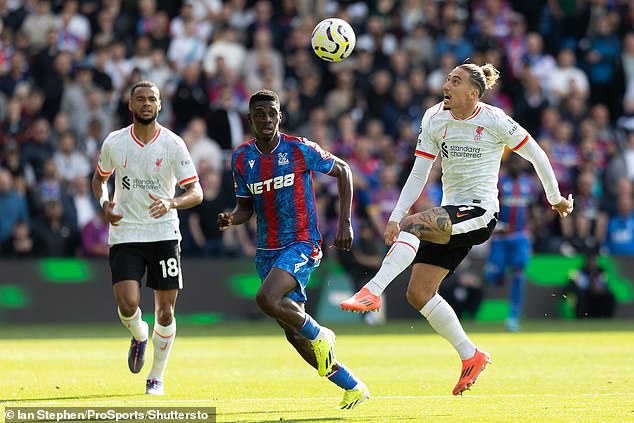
column 164, row 317
column 127, row 308
column 267, row 303
column 417, row 298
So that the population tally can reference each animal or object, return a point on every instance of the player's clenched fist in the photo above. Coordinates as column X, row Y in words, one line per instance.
column 225, row 219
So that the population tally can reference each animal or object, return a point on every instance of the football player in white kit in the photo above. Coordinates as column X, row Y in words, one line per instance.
column 470, row 136
column 148, row 160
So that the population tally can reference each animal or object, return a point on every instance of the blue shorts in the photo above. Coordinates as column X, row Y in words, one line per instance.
column 511, row 251
column 298, row 259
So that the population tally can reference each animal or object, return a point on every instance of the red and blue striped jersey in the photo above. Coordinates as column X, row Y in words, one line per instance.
column 516, row 196
column 280, row 184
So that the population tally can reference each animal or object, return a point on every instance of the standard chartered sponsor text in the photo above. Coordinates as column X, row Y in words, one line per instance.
column 465, row 151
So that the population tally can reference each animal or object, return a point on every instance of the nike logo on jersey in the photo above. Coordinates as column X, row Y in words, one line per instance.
column 251, row 163
column 164, row 347
column 125, row 162
column 461, row 214
column 444, row 135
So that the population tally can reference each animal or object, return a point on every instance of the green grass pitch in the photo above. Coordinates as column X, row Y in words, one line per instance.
column 553, row 371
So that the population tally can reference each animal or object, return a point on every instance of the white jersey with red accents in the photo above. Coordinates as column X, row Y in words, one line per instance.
column 470, row 151
column 140, row 169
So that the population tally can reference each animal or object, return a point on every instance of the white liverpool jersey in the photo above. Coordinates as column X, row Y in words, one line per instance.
column 470, row 150
column 140, row 169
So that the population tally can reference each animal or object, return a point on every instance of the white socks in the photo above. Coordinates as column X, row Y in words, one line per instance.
column 137, row 327
column 162, row 339
column 397, row 259
column 443, row 319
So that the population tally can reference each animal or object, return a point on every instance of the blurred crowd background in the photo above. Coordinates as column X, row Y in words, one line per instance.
column 66, row 68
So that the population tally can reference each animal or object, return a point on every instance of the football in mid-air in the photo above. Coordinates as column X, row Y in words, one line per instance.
column 333, row 39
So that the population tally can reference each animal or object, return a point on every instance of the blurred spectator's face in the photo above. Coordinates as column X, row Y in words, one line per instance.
column 534, row 44
column 50, row 169
column 624, row 204
column 585, row 183
column 67, row 144
column 566, row 58
column 381, row 82
column 6, row 181
column 41, row 130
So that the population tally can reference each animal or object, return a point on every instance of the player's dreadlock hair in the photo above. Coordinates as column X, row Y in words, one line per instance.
column 144, row 84
column 264, row 95
column 483, row 77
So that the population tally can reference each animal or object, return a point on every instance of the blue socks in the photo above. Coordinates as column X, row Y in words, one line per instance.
column 310, row 329
column 517, row 288
column 343, row 378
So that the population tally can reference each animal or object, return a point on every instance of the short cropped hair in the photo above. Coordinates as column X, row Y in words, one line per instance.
column 264, row 95
column 144, row 84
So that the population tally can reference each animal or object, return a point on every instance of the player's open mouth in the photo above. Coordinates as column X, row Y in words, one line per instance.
column 446, row 97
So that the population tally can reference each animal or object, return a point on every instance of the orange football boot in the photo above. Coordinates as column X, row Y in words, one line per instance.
column 363, row 301
column 471, row 369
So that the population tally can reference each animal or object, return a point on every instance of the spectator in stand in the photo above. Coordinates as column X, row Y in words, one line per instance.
column 70, row 162
column 201, row 147
column 567, row 79
column 620, row 236
column 20, row 244
column 53, row 235
column 225, row 44
column 588, row 226
column 187, row 49
column 601, row 52
column 190, row 97
column 13, row 206
column 38, row 23
column 94, row 236
column 455, row 42
column 38, row 147
column 593, row 298
column 207, row 239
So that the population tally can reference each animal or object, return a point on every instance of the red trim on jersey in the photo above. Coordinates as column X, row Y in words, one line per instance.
column 103, row 172
column 425, row 155
column 139, row 142
column 188, row 180
column 267, row 166
column 520, row 145
column 440, row 109
column 299, row 194
column 477, row 111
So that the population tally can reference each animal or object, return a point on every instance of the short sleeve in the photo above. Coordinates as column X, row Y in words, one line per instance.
column 317, row 158
column 512, row 133
column 427, row 145
column 105, row 166
column 185, row 169
column 239, row 184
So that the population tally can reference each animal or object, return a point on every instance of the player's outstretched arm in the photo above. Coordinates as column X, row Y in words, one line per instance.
column 532, row 152
column 345, row 235
column 240, row 214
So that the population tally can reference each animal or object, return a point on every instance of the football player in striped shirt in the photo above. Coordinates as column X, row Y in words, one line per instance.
column 273, row 180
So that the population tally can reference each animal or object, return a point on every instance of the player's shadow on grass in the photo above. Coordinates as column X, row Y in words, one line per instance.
column 70, row 397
